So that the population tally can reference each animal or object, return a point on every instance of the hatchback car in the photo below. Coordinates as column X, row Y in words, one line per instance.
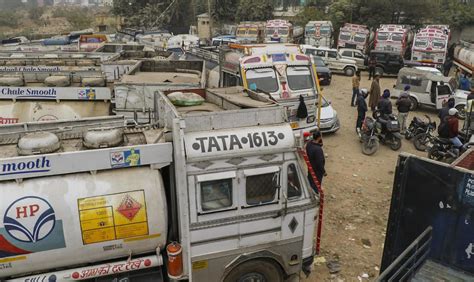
column 329, row 120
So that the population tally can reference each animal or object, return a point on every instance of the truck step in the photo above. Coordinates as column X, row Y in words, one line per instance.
column 432, row 271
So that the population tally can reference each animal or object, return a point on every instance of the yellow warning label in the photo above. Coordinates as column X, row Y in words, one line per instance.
column 202, row 264
column 113, row 217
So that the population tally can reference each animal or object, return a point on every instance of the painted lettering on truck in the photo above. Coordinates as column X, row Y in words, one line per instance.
column 41, row 164
column 29, row 92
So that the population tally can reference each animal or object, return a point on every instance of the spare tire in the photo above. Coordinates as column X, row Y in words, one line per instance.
column 57, row 81
column 12, row 81
column 93, row 81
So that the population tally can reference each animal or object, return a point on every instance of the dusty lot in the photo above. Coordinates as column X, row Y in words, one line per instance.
column 358, row 190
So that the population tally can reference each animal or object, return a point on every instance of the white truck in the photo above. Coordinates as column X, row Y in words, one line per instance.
column 51, row 95
column 319, row 34
column 220, row 187
column 134, row 92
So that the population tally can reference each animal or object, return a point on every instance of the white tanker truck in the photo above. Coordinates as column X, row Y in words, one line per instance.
column 464, row 56
column 97, row 200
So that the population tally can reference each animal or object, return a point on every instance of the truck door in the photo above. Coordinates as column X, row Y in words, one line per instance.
column 442, row 95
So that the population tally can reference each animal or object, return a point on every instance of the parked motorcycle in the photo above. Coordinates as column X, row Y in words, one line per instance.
column 417, row 126
column 380, row 130
column 424, row 140
column 443, row 150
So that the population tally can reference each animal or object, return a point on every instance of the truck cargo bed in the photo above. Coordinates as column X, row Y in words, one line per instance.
column 432, row 271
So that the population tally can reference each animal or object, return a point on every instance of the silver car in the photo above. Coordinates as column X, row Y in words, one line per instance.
column 329, row 120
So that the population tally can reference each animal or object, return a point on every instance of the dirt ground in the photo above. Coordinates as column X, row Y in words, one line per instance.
column 357, row 192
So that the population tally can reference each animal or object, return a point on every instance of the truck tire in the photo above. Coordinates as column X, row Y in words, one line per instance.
column 255, row 270
column 414, row 104
column 379, row 71
column 349, row 71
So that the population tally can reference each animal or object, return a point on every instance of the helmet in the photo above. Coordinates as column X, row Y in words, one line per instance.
column 453, row 112
column 407, row 87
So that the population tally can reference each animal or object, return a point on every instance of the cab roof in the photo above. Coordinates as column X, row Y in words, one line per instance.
column 429, row 75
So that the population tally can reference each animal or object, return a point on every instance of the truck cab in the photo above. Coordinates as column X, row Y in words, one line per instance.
column 222, row 177
column 429, row 89
column 333, row 59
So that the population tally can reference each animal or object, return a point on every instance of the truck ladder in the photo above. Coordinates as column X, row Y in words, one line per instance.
column 321, row 197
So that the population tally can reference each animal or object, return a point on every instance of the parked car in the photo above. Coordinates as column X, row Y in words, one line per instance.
column 324, row 73
column 355, row 55
column 332, row 59
column 387, row 62
column 429, row 89
column 329, row 120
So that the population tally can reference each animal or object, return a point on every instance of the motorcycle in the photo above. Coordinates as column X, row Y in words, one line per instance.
column 443, row 150
column 424, row 139
column 417, row 126
column 377, row 130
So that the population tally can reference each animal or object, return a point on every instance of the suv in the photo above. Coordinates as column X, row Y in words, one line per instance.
column 356, row 55
column 387, row 62
column 332, row 59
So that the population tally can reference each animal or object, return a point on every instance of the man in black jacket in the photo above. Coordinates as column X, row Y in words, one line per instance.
column 316, row 157
column 403, row 105
column 361, row 109
column 443, row 113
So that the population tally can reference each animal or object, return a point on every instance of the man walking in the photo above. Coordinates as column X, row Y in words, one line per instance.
column 374, row 93
column 355, row 87
column 403, row 105
column 316, row 158
column 371, row 64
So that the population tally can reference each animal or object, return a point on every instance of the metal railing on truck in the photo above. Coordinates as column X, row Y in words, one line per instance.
column 407, row 263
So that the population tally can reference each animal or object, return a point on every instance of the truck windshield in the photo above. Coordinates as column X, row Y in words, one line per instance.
column 264, row 79
column 359, row 37
column 299, row 78
column 382, row 36
column 283, row 31
column 310, row 30
column 397, row 37
column 438, row 44
column 345, row 36
column 421, row 43
column 253, row 31
column 325, row 31
column 270, row 31
column 241, row 31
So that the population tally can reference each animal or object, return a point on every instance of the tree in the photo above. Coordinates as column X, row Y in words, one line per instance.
column 255, row 10
column 79, row 18
column 455, row 13
column 224, row 10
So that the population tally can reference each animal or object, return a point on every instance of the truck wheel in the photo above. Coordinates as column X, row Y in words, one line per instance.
column 461, row 111
column 414, row 104
column 255, row 270
column 379, row 71
column 349, row 71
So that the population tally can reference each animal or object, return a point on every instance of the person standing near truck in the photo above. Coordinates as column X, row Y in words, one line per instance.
column 403, row 105
column 374, row 93
column 361, row 109
column 314, row 150
column 371, row 64
column 355, row 87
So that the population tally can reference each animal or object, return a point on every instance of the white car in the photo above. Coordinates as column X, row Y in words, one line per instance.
column 356, row 55
column 431, row 70
column 332, row 59
column 329, row 120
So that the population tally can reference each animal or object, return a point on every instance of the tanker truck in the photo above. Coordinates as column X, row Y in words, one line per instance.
column 464, row 56
column 220, row 186
column 42, row 93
